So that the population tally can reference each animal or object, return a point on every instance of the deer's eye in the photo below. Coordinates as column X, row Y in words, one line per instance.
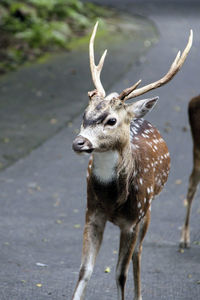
column 111, row 121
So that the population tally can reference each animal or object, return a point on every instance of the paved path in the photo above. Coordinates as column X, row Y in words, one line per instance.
column 43, row 195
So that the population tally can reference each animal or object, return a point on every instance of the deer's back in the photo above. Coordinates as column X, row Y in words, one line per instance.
column 151, row 156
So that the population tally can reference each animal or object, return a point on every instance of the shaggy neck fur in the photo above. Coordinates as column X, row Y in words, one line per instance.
column 125, row 172
column 115, row 165
column 105, row 165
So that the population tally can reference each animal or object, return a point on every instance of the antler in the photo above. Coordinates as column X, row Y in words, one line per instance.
column 132, row 92
column 96, row 70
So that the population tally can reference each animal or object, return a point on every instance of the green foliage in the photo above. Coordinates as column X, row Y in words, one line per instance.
column 29, row 27
column 44, row 34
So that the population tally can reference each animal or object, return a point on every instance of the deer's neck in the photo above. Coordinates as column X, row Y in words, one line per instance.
column 111, row 165
column 105, row 165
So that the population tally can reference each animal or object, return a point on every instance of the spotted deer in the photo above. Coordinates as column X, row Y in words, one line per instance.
column 194, row 118
column 128, row 167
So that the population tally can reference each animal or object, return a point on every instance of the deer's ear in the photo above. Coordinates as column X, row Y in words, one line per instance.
column 140, row 108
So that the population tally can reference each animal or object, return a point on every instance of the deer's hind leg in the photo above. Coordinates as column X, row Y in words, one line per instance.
column 136, row 258
column 193, row 183
column 128, row 239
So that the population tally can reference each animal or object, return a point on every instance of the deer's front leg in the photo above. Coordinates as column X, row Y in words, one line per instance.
column 93, row 233
column 128, row 239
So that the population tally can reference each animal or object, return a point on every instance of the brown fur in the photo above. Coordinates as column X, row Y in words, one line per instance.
column 194, row 119
column 125, row 199
column 129, row 167
column 122, row 202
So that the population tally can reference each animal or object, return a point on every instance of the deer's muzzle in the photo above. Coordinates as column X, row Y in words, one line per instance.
column 81, row 144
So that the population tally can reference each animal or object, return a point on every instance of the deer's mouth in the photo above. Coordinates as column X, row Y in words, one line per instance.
column 89, row 150
column 84, row 151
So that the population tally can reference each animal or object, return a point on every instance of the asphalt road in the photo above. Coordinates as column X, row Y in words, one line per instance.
column 43, row 194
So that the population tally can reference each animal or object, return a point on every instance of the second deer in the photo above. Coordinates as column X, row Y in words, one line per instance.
column 128, row 167
column 194, row 119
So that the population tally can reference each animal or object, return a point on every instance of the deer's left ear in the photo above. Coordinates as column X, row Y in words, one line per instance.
column 140, row 108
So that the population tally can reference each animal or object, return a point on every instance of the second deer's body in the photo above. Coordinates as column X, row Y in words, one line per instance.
column 194, row 120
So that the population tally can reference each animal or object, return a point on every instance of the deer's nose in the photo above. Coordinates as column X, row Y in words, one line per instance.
column 81, row 144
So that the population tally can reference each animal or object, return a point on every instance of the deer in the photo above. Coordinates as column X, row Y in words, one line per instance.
column 194, row 179
column 128, row 166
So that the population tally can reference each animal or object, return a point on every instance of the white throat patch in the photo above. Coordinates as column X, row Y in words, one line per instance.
column 104, row 164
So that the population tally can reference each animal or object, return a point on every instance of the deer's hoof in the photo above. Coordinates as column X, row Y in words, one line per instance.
column 185, row 238
column 184, row 244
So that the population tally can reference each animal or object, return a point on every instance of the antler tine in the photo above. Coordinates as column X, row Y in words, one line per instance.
column 96, row 70
column 175, row 67
column 127, row 91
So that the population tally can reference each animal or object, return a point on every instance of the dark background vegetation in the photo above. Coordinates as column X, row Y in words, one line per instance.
column 30, row 28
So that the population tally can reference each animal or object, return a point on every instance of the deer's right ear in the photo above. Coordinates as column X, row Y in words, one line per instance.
column 142, row 107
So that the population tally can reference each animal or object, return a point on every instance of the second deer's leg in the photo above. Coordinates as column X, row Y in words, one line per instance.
column 193, row 183
column 92, row 238
column 143, row 227
column 128, row 239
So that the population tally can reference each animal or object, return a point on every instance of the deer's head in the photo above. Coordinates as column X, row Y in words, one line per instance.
column 106, row 120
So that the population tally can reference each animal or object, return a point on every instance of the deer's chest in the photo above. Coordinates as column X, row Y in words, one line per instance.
column 106, row 197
